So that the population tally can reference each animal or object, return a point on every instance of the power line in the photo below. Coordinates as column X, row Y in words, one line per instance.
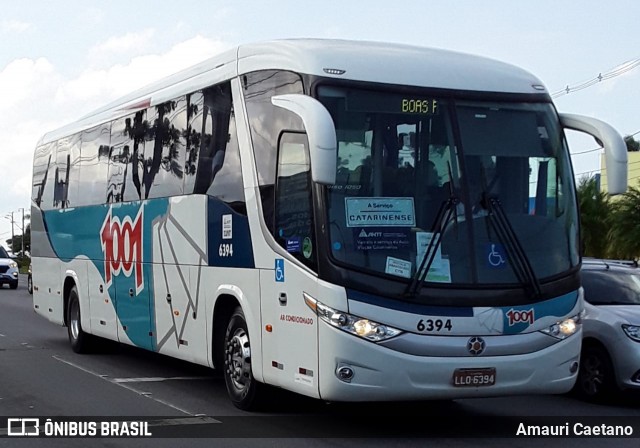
column 600, row 147
column 585, row 152
column 621, row 69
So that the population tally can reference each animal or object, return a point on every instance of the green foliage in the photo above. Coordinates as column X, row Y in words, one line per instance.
column 16, row 242
column 632, row 144
column 625, row 225
column 610, row 227
column 595, row 216
column 23, row 264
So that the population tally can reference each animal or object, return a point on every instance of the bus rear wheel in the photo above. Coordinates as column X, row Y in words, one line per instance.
column 80, row 341
column 243, row 389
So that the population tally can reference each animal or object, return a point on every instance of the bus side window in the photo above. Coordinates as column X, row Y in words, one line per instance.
column 266, row 122
column 42, row 188
column 227, row 184
column 61, row 173
column 208, row 115
column 294, row 229
column 164, row 149
column 65, row 188
column 94, row 165
column 126, row 158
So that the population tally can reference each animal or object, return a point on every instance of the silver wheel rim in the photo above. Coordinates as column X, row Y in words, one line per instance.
column 75, row 322
column 238, row 360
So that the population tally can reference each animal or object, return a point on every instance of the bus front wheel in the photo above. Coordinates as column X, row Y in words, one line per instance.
column 79, row 340
column 244, row 391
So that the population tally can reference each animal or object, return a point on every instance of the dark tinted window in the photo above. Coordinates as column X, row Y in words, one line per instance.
column 227, row 182
column 66, row 174
column 126, row 158
column 266, row 123
column 165, row 147
column 42, row 187
column 293, row 211
column 94, row 165
column 611, row 287
column 209, row 112
column 61, row 173
column 199, row 133
column 3, row 253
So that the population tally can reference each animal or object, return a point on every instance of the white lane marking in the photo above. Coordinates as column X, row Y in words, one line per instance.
column 121, row 384
column 178, row 421
column 1, row 335
column 158, row 379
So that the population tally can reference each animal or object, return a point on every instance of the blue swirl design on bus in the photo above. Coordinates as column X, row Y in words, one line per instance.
column 508, row 320
column 129, row 280
column 517, row 319
column 118, row 240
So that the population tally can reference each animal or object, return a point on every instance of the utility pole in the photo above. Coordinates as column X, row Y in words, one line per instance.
column 12, row 235
column 22, row 239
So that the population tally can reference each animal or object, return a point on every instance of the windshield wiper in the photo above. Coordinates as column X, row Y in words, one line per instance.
column 447, row 212
column 520, row 261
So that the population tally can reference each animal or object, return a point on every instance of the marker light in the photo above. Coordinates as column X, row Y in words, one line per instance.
column 633, row 331
column 334, row 71
column 564, row 328
column 365, row 328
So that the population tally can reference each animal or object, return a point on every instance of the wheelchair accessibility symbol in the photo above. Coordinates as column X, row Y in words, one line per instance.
column 496, row 256
column 279, row 270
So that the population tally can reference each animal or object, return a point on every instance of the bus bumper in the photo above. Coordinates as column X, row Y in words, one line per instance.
column 383, row 374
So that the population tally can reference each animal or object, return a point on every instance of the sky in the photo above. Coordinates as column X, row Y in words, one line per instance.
column 61, row 60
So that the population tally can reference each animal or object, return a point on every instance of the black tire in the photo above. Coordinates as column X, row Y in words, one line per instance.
column 80, row 341
column 596, row 378
column 13, row 285
column 243, row 389
column 30, row 285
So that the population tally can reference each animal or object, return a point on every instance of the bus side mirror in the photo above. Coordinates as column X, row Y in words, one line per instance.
column 614, row 147
column 321, row 134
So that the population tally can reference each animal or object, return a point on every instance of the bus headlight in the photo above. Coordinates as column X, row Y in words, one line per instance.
column 564, row 328
column 365, row 328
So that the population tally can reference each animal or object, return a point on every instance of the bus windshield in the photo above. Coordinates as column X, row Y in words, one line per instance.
column 485, row 189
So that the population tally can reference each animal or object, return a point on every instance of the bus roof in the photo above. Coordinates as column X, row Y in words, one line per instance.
column 357, row 60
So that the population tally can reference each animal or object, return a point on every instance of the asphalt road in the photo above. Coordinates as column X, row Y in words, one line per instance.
column 41, row 377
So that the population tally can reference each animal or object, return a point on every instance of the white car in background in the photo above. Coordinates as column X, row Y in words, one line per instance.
column 610, row 359
column 8, row 270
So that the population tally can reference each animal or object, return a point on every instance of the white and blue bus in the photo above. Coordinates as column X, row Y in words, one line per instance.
column 351, row 221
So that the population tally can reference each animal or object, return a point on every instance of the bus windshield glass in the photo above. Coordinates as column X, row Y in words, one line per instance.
column 485, row 189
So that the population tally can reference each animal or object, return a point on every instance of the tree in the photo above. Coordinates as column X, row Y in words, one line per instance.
column 625, row 228
column 595, row 215
column 16, row 242
column 632, row 144
column 148, row 155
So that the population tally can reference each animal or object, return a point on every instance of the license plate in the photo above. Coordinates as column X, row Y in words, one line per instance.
column 474, row 377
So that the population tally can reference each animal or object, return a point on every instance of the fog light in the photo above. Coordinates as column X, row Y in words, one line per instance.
column 15, row 274
column 574, row 367
column 344, row 373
